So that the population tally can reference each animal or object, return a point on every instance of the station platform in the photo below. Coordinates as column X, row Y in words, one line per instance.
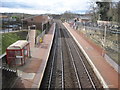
column 106, row 74
column 31, row 73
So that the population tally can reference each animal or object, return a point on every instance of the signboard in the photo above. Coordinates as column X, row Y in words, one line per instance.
column 19, row 56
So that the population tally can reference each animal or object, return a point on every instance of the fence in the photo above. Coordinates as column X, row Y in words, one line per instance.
column 3, row 59
column 105, row 37
column 4, row 65
column 39, row 38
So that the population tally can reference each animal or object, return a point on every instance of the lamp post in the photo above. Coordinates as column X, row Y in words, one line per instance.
column 99, row 18
column 22, row 22
column 42, row 26
column 104, row 41
column 105, row 34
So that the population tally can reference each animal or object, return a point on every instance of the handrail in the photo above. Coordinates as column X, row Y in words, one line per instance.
column 40, row 36
column 1, row 56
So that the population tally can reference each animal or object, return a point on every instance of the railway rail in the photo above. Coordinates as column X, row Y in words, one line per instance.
column 67, row 67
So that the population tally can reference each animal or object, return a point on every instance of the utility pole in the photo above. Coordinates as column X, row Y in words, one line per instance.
column 103, row 41
column 22, row 22
column 99, row 18
column 105, row 34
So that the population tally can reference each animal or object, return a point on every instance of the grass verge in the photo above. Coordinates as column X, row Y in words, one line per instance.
column 9, row 38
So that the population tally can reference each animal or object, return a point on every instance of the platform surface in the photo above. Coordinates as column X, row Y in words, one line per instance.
column 31, row 73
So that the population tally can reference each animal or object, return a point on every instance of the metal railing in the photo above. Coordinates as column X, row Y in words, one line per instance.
column 104, row 36
column 39, row 38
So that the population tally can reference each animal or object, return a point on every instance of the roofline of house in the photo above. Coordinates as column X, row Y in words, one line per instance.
column 34, row 16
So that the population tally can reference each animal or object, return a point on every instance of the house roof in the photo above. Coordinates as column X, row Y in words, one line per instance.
column 18, row 44
column 38, row 19
column 85, row 17
column 3, row 16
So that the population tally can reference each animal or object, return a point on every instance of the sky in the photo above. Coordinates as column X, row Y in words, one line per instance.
column 44, row 6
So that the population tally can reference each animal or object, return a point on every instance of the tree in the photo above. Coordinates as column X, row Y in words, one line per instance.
column 93, row 12
column 118, row 11
column 68, row 15
column 103, row 9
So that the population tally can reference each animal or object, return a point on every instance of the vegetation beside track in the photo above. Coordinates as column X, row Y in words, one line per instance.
column 11, row 37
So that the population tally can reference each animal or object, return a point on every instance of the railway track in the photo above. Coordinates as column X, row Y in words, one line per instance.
column 54, row 70
column 67, row 67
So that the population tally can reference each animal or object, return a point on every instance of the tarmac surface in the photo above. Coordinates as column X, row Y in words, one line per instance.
column 109, row 75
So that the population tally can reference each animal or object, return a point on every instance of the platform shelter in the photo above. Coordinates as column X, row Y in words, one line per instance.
column 18, row 52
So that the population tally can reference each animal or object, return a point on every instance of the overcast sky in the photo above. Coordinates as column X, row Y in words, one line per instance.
column 44, row 6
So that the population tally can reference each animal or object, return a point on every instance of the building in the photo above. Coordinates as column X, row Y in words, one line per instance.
column 40, row 21
column 108, row 23
column 4, row 18
column 18, row 52
column 85, row 18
